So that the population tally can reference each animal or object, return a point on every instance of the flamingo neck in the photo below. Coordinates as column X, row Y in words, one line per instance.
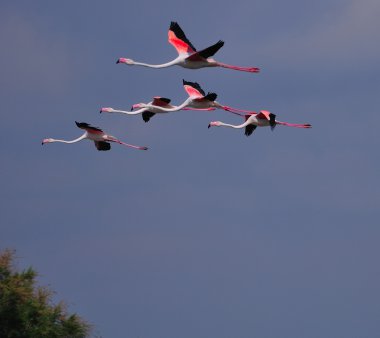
column 141, row 110
column 164, row 65
column 239, row 126
column 243, row 69
column 72, row 141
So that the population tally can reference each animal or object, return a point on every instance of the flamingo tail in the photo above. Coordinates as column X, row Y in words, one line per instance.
column 202, row 109
column 295, row 125
column 243, row 69
column 238, row 111
column 129, row 145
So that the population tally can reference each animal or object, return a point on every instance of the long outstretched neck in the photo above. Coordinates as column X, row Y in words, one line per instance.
column 242, row 69
column 164, row 65
column 72, row 141
column 239, row 126
column 108, row 110
column 295, row 125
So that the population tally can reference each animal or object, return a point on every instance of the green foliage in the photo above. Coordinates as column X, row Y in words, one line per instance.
column 26, row 310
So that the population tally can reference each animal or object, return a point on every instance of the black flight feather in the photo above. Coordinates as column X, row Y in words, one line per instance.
column 249, row 129
column 210, row 51
column 176, row 29
column 102, row 146
column 147, row 115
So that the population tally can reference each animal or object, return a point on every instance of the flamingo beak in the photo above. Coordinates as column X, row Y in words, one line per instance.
column 132, row 108
column 118, row 61
column 209, row 125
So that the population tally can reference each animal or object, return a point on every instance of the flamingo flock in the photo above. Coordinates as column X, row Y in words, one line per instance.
column 198, row 100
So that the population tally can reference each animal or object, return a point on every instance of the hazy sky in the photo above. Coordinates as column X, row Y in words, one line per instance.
column 209, row 233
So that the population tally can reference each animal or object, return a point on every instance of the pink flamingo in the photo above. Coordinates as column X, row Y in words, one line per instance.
column 254, row 120
column 148, row 110
column 188, row 56
column 197, row 100
column 100, row 138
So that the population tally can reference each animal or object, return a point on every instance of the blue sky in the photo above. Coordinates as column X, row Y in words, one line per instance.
column 209, row 233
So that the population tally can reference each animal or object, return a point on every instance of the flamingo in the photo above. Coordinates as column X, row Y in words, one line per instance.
column 148, row 110
column 197, row 100
column 253, row 120
column 100, row 138
column 188, row 56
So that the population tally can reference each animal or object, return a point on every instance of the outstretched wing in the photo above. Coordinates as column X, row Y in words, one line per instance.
column 87, row 127
column 206, row 53
column 193, row 89
column 147, row 115
column 250, row 128
column 102, row 146
column 179, row 40
column 160, row 101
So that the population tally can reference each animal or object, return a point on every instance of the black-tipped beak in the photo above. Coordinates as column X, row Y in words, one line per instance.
column 42, row 143
column 118, row 61
column 132, row 108
column 100, row 112
column 209, row 126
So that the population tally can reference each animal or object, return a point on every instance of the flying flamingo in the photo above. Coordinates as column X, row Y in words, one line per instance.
column 100, row 138
column 253, row 120
column 197, row 100
column 148, row 110
column 188, row 56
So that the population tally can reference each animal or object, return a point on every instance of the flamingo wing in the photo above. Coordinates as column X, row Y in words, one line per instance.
column 87, row 127
column 250, row 128
column 102, row 146
column 211, row 97
column 266, row 115
column 147, row 115
column 193, row 89
column 179, row 40
column 160, row 101
column 206, row 53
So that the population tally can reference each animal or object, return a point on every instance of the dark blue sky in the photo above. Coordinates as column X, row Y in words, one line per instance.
column 209, row 233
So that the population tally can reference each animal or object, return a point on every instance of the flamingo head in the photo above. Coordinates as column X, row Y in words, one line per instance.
column 126, row 61
column 138, row 106
column 215, row 124
column 47, row 140
column 106, row 110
